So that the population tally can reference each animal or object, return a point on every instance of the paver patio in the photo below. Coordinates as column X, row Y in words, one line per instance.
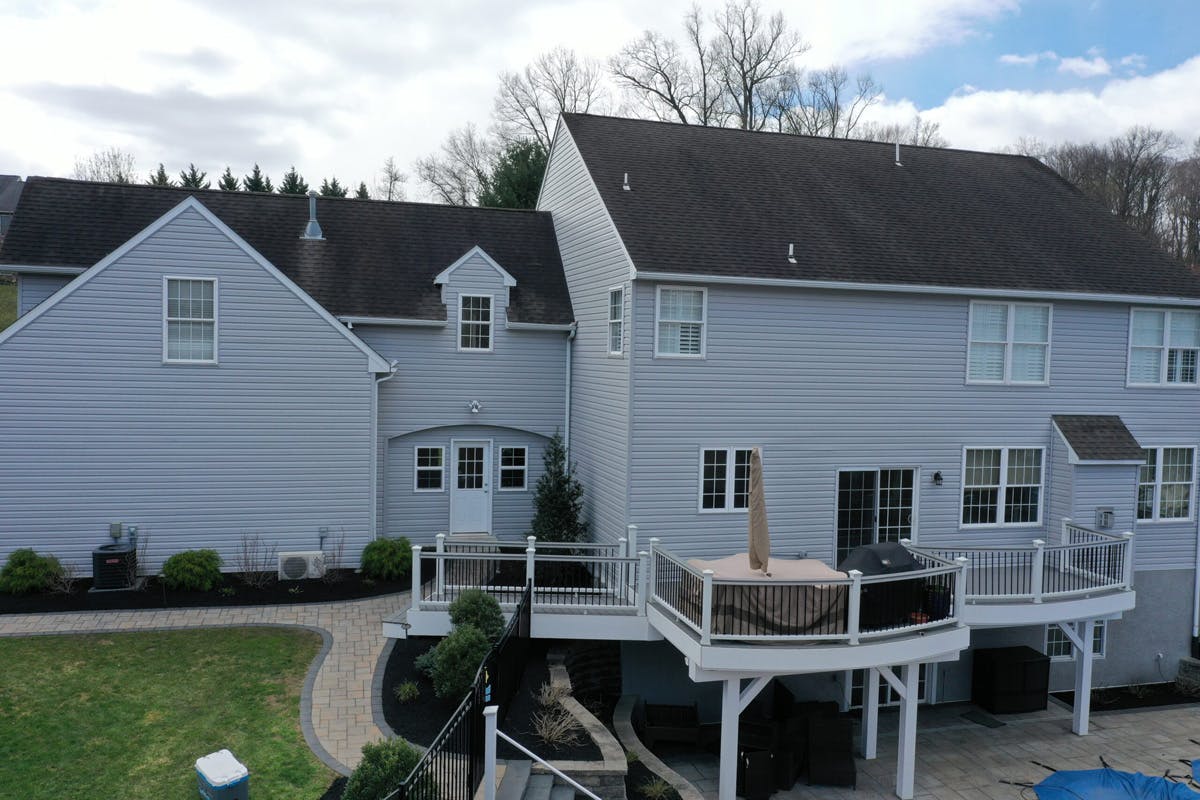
column 960, row 760
column 338, row 711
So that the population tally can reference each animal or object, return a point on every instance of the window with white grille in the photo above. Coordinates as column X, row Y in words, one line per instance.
column 474, row 322
column 1002, row 486
column 513, row 469
column 1163, row 347
column 725, row 479
column 616, row 322
column 1165, row 483
column 1009, row 343
column 681, row 322
column 430, row 468
column 1058, row 646
column 190, row 321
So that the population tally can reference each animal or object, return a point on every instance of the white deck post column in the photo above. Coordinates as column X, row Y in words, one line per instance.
column 706, row 601
column 643, row 582
column 489, row 753
column 906, row 747
column 416, row 577
column 730, row 711
column 1085, row 629
column 854, row 609
column 631, row 532
column 870, row 734
column 441, row 566
column 1039, row 568
column 960, row 589
column 530, row 553
column 1128, row 575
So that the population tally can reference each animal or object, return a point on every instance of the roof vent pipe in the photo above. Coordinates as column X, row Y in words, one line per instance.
column 625, row 182
column 898, row 164
column 313, row 229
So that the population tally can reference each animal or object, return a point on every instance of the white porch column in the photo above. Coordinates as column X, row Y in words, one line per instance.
column 870, row 733
column 730, row 711
column 906, row 747
column 1085, row 630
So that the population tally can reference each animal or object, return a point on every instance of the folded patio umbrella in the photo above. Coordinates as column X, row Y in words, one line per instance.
column 760, row 537
column 1110, row 784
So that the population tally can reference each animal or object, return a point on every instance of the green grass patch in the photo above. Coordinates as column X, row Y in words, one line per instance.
column 8, row 304
column 127, row 714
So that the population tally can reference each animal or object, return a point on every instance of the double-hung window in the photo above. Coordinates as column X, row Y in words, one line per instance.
column 681, row 320
column 474, row 322
column 725, row 479
column 1163, row 347
column 1002, row 486
column 1009, row 343
column 190, row 321
column 430, row 468
column 513, row 469
column 1165, row 484
column 616, row 322
column 1058, row 646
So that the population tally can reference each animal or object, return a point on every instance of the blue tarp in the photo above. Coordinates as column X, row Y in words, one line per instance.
column 1109, row 784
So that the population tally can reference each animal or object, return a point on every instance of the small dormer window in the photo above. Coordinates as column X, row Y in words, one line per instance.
column 475, row 322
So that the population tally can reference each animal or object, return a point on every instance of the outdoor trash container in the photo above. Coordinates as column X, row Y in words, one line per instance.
column 222, row 777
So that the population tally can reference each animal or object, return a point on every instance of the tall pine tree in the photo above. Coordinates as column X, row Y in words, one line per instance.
column 160, row 177
column 257, row 182
column 293, row 183
column 361, row 192
column 516, row 177
column 228, row 182
column 558, row 499
column 331, row 188
column 192, row 178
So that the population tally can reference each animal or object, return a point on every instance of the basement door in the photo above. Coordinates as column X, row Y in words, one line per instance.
column 874, row 505
column 471, row 487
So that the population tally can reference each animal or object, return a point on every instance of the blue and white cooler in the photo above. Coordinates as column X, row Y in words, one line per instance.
column 222, row 777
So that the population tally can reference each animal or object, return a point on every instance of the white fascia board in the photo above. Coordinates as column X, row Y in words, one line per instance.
column 41, row 269
column 558, row 128
column 1005, row 615
column 393, row 321
column 565, row 327
column 913, row 288
column 444, row 276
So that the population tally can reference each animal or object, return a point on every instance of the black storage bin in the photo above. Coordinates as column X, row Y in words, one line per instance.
column 1010, row 680
column 113, row 566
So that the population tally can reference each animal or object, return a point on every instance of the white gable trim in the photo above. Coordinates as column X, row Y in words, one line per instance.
column 444, row 276
column 376, row 363
column 34, row 269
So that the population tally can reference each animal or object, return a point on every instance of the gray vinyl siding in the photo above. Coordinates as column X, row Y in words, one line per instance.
column 520, row 384
column 1060, row 473
column 275, row 441
column 33, row 289
column 824, row 380
column 420, row 516
column 1112, row 486
column 595, row 262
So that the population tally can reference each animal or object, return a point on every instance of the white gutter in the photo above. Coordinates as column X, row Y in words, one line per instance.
column 30, row 269
column 541, row 326
column 351, row 321
column 567, row 404
column 374, row 526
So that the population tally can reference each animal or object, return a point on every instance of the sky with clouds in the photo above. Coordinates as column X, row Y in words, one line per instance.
column 337, row 87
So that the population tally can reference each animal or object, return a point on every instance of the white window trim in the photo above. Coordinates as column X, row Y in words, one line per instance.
column 1010, row 342
column 417, row 469
column 619, row 321
column 1158, row 483
column 1101, row 625
column 491, row 325
column 1166, row 345
column 1003, row 448
column 730, row 452
column 216, row 359
column 703, row 321
column 500, row 487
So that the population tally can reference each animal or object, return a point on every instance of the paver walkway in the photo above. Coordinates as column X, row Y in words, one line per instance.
column 339, row 715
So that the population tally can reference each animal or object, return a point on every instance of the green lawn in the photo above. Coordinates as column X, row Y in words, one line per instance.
column 8, row 304
column 126, row 715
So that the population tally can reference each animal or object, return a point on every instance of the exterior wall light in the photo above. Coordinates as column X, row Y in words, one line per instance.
column 475, row 406
column 937, row 478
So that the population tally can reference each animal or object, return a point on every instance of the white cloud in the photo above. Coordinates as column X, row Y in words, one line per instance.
column 1029, row 59
column 1082, row 67
column 1135, row 62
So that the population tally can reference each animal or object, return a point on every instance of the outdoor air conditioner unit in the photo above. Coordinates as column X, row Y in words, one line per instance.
column 300, row 565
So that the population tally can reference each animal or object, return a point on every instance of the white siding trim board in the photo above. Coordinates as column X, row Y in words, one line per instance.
column 41, row 270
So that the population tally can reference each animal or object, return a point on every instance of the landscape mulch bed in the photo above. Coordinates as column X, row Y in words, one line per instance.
column 344, row 585
column 1148, row 695
column 639, row 777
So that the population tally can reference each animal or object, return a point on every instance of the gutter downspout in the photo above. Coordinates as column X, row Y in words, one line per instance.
column 1196, row 591
column 374, row 526
column 567, row 403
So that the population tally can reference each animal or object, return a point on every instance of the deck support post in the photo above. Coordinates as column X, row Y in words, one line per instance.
column 416, row 577
column 530, row 553
column 730, row 711
column 1039, row 568
column 1127, row 577
column 1085, row 630
column 441, row 566
column 906, row 755
column 489, row 753
column 706, row 609
column 870, row 732
column 854, row 610
column 631, row 532
column 960, row 589
column 643, row 582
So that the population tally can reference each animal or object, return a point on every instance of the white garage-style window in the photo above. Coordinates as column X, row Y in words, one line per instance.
column 190, row 320
column 1165, row 484
column 1163, row 347
column 429, row 469
column 1058, row 646
column 616, row 322
column 724, row 479
column 1009, row 343
column 513, row 469
column 681, row 314
column 474, row 322
column 1002, row 486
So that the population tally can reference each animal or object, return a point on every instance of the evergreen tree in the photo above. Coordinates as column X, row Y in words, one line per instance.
column 558, row 499
column 160, row 177
column 516, row 176
column 257, row 182
column 192, row 178
column 228, row 183
column 361, row 192
column 331, row 188
column 293, row 183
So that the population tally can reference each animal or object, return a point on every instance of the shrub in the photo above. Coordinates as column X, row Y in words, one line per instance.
column 558, row 499
column 387, row 559
column 383, row 767
column 556, row 727
column 427, row 661
column 657, row 789
column 457, row 659
column 26, row 572
column 192, row 570
column 550, row 695
column 408, row 692
column 478, row 608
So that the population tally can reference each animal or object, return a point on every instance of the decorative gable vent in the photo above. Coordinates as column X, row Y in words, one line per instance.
column 300, row 565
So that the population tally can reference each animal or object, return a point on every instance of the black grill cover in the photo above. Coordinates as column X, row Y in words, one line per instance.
column 884, row 558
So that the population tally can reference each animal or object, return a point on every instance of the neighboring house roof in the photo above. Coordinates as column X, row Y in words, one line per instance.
column 378, row 259
column 726, row 204
column 10, row 195
column 1098, row 437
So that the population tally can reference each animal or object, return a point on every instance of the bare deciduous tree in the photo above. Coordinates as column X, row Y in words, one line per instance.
column 390, row 184
column 1181, row 228
column 824, row 102
column 671, row 82
column 456, row 174
column 111, row 165
column 922, row 132
column 753, row 58
column 529, row 102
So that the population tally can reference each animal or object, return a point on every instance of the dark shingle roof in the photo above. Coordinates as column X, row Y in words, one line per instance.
column 726, row 203
column 1098, row 437
column 378, row 258
column 10, row 192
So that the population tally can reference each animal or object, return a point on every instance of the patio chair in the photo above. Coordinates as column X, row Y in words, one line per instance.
column 668, row 723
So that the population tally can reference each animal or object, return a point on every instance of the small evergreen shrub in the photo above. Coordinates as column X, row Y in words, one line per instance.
column 192, row 571
column 26, row 572
column 427, row 661
column 383, row 767
column 558, row 499
column 457, row 659
column 478, row 608
column 387, row 559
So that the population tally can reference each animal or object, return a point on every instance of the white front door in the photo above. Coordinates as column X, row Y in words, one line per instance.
column 471, row 487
